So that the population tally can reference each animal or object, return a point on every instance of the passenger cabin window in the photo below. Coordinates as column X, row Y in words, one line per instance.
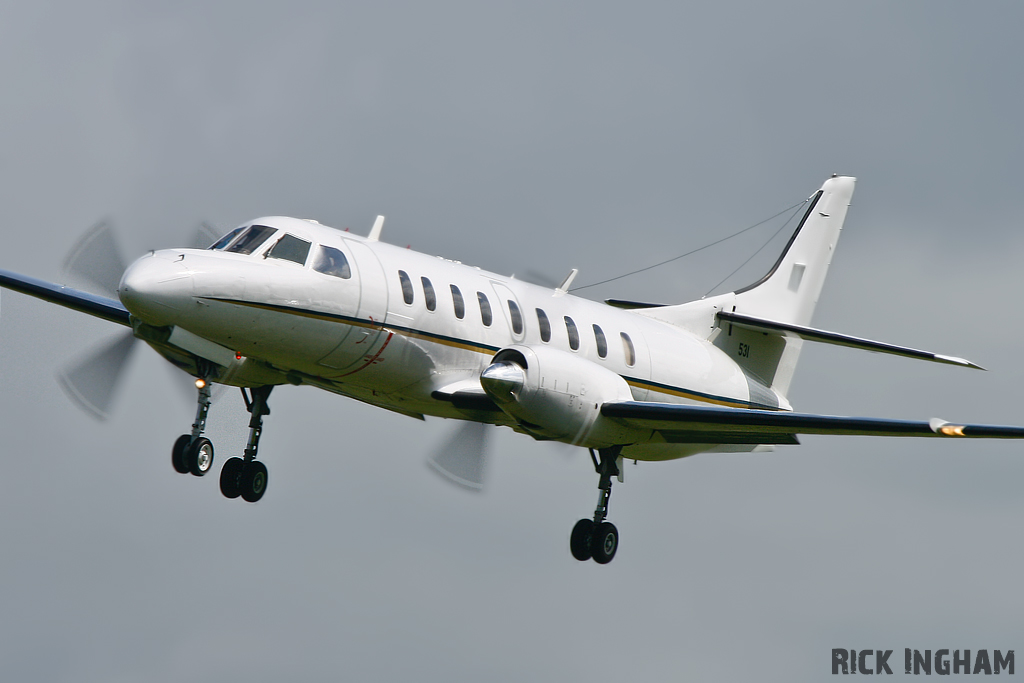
column 516, row 316
column 331, row 261
column 429, row 298
column 251, row 240
column 485, row 309
column 290, row 248
column 545, row 326
column 407, row 292
column 458, row 303
column 226, row 239
column 602, row 343
column 627, row 349
column 574, row 334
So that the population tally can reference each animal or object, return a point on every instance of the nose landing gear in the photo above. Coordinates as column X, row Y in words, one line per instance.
column 598, row 539
column 193, row 453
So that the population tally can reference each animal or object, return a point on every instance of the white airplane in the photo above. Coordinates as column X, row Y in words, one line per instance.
column 289, row 301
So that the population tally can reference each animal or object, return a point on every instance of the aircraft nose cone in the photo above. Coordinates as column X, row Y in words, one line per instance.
column 503, row 381
column 157, row 288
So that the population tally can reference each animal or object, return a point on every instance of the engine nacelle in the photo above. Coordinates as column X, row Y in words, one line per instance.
column 557, row 395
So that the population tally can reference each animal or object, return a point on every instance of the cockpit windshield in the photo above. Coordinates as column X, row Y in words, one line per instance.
column 250, row 240
column 226, row 239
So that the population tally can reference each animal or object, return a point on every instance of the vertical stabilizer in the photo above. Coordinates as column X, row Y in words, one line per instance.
column 790, row 290
column 788, row 293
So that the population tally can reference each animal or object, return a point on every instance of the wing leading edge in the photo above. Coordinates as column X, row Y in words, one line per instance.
column 98, row 306
column 699, row 424
column 825, row 337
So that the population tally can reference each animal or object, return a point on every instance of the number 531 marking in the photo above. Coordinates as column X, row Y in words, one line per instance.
column 744, row 350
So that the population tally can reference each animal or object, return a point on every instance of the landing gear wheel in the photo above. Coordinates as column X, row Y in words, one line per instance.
column 579, row 541
column 231, row 478
column 178, row 453
column 253, row 481
column 199, row 456
column 604, row 542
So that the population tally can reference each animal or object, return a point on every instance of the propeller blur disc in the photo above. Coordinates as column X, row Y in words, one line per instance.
column 93, row 381
column 462, row 459
column 96, row 259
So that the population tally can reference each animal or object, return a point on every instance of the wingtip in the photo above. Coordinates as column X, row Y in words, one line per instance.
column 953, row 360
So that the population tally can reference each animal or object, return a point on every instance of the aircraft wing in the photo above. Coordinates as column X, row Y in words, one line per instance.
column 84, row 302
column 701, row 424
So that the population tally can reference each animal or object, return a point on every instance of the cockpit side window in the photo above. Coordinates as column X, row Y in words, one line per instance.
column 251, row 239
column 331, row 261
column 226, row 239
column 290, row 248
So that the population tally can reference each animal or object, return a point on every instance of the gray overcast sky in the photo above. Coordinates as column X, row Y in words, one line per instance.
column 541, row 136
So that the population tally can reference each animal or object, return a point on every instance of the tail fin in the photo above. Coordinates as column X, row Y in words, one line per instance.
column 787, row 294
column 790, row 290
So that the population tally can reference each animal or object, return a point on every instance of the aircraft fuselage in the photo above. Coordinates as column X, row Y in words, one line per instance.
column 405, row 331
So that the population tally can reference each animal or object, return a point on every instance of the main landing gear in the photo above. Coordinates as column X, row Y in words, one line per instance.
column 597, row 539
column 193, row 453
column 246, row 476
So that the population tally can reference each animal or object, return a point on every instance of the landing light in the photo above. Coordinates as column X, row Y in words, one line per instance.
column 200, row 383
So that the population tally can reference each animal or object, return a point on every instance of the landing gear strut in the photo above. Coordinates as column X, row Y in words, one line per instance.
column 597, row 539
column 246, row 476
column 194, row 452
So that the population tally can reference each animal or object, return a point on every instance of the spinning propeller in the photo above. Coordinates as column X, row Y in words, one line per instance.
column 95, row 263
column 462, row 459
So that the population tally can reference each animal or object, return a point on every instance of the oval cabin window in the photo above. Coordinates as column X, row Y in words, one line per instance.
column 429, row 298
column 602, row 343
column 458, row 303
column 407, row 292
column 544, row 325
column 516, row 316
column 574, row 334
column 485, row 309
column 627, row 349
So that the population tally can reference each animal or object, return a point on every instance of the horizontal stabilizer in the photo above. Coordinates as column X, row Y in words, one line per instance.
column 811, row 334
column 631, row 305
column 702, row 424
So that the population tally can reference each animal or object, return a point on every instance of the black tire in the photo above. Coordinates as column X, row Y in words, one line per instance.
column 253, row 481
column 579, row 541
column 199, row 456
column 231, row 478
column 178, row 453
column 604, row 542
